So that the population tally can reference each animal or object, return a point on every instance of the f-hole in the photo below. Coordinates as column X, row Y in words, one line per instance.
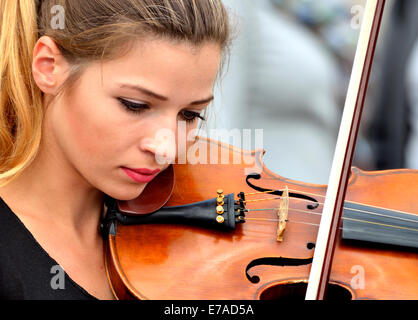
column 257, row 176
column 274, row 261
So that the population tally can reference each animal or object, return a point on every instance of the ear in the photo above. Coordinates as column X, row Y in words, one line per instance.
column 49, row 68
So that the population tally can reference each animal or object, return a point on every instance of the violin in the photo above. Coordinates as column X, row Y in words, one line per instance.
column 255, row 238
column 237, row 232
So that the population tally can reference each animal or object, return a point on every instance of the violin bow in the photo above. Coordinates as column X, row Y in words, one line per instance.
column 344, row 151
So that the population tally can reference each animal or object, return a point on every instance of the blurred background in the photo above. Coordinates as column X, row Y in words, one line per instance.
column 288, row 74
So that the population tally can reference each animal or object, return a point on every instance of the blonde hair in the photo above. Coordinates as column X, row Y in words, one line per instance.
column 93, row 30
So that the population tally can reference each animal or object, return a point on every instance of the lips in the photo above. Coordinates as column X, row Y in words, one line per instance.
column 141, row 175
column 147, row 172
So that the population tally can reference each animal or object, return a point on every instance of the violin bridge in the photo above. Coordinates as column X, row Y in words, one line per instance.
column 282, row 213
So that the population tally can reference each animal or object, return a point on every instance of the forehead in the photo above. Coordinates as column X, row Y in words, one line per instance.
column 166, row 66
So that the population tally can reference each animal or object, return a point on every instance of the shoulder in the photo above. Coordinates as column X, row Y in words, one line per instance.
column 26, row 270
column 10, row 285
column 17, row 245
column 20, row 259
column 11, row 228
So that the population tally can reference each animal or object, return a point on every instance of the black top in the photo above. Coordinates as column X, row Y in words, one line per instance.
column 27, row 272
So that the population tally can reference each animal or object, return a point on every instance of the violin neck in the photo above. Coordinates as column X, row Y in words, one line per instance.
column 378, row 225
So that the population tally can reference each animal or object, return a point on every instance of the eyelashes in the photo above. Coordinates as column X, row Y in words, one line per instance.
column 133, row 107
column 137, row 108
column 191, row 116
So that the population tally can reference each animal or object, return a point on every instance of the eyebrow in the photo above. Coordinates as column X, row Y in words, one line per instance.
column 160, row 97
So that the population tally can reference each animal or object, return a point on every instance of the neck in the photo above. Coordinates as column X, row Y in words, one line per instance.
column 51, row 191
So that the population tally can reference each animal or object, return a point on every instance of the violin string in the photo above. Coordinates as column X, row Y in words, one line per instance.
column 321, row 196
column 341, row 228
column 320, row 203
column 320, row 214
column 288, row 221
column 294, row 222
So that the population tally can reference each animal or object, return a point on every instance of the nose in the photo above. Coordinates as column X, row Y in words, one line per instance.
column 161, row 142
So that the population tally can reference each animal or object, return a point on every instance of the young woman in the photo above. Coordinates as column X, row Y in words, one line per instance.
column 85, row 88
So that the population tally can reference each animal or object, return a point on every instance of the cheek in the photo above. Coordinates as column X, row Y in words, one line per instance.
column 91, row 134
column 88, row 133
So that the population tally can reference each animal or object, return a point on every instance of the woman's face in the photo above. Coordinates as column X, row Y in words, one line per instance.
column 110, row 122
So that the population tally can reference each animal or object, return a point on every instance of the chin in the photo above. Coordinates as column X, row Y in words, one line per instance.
column 125, row 193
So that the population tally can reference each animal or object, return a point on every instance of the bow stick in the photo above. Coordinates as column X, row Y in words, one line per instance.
column 346, row 142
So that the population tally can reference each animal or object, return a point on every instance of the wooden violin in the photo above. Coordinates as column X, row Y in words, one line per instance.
column 260, row 245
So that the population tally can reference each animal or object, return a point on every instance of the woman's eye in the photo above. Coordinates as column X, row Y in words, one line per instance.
column 191, row 116
column 132, row 106
column 187, row 115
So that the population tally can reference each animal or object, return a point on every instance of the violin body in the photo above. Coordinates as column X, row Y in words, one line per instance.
column 178, row 261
